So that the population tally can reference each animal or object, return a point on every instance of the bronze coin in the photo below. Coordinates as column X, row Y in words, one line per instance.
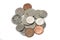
column 38, row 29
column 29, row 32
column 27, row 6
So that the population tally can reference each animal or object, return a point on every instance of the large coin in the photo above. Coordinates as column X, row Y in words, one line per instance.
column 16, row 19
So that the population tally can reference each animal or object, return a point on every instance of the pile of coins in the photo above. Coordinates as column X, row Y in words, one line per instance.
column 29, row 21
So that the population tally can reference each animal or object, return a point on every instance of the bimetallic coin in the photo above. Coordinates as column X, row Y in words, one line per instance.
column 27, row 6
column 39, row 21
column 29, row 32
column 38, row 30
column 30, row 19
column 43, row 13
column 20, row 27
column 16, row 19
column 19, row 11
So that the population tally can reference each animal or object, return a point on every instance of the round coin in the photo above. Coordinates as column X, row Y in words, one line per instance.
column 16, row 19
column 20, row 27
column 29, row 32
column 38, row 29
column 27, row 6
column 39, row 21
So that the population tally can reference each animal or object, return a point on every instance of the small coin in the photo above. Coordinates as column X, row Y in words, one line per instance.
column 27, row 6
column 39, row 21
column 20, row 27
column 38, row 29
column 29, row 32
column 19, row 11
column 30, row 19
column 16, row 19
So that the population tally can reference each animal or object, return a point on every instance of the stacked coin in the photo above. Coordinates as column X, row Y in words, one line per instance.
column 29, row 21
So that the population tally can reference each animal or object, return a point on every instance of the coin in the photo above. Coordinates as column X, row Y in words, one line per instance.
column 39, row 21
column 30, row 19
column 16, row 19
column 27, row 6
column 43, row 13
column 29, row 32
column 38, row 29
column 20, row 27
column 29, row 12
column 19, row 11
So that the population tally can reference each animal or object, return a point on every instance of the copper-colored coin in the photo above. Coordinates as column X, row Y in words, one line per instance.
column 38, row 30
column 29, row 32
column 27, row 6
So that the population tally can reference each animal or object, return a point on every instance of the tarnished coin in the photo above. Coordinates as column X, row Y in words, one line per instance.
column 20, row 27
column 27, row 6
column 39, row 21
column 38, row 29
column 31, row 26
column 30, row 19
column 16, row 19
column 43, row 13
column 29, row 12
column 19, row 11
column 29, row 32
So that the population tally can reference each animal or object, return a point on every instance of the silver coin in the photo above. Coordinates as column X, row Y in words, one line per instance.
column 36, row 14
column 29, row 12
column 20, row 27
column 19, row 11
column 30, row 26
column 24, row 20
column 16, row 19
column 43, row 13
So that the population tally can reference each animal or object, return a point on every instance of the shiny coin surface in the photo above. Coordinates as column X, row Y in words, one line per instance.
column 39, row 21
column 20, row 27
column 27, row 6
column 38, row 29
column 19, row 11
column 16, row 19
column 29, row 32
column 30, row 19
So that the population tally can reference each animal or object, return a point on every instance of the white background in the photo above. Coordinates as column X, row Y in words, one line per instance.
column 7, row 28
